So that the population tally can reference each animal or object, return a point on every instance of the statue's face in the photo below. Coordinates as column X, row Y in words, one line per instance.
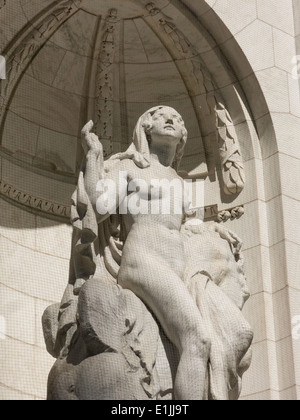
column 167, row 123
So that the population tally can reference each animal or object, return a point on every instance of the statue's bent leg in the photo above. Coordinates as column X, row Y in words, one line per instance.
column 154, row 281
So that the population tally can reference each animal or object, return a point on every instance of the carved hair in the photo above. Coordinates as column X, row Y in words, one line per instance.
column 139, row 150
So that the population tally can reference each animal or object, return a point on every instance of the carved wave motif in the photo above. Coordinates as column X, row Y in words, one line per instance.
column 32, row 202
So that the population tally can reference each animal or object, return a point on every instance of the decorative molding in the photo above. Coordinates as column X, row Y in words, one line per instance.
column 208, row 104
column 35, row 203
column 29, row 43
column 104, row 83
column 211, row 212
column 232, row 214
column 2, row 3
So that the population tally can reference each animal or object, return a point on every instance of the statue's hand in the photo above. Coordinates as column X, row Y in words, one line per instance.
column 230, row 236
column 91, row 140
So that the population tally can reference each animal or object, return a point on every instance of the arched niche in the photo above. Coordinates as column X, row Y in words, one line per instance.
column 70, row 61
column 79, row 60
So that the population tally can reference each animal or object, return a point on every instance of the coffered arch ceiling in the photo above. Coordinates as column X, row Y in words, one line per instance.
column 110, row 60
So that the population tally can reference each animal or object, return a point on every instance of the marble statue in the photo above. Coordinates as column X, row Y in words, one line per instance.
column 153, row 305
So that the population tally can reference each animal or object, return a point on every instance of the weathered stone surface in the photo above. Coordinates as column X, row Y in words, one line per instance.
column 114, row 351
column 260, row 44
column 127, row 266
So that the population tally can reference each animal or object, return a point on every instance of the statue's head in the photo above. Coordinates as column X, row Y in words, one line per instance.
column 160, row 120
column 166, row 124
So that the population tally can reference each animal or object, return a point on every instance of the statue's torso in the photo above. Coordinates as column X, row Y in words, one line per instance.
column 155, row 234
column 155, row 196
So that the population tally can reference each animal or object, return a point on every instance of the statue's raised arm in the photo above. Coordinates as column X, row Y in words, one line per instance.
column 94, row 163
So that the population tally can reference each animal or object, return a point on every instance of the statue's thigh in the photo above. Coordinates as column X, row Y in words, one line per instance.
column 165, row 293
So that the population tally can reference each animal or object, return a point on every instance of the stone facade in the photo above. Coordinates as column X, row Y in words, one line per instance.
column 57, row 79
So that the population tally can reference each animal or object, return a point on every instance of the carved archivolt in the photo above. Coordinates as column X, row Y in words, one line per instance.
column 28, row 44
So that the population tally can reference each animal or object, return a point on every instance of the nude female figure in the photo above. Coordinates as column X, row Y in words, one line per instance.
column 153, row 260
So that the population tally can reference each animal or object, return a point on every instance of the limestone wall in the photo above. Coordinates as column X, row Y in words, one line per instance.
column 34, row 258
column 268, row 33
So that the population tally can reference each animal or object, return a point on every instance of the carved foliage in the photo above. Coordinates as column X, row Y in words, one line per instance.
column 230, row 154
